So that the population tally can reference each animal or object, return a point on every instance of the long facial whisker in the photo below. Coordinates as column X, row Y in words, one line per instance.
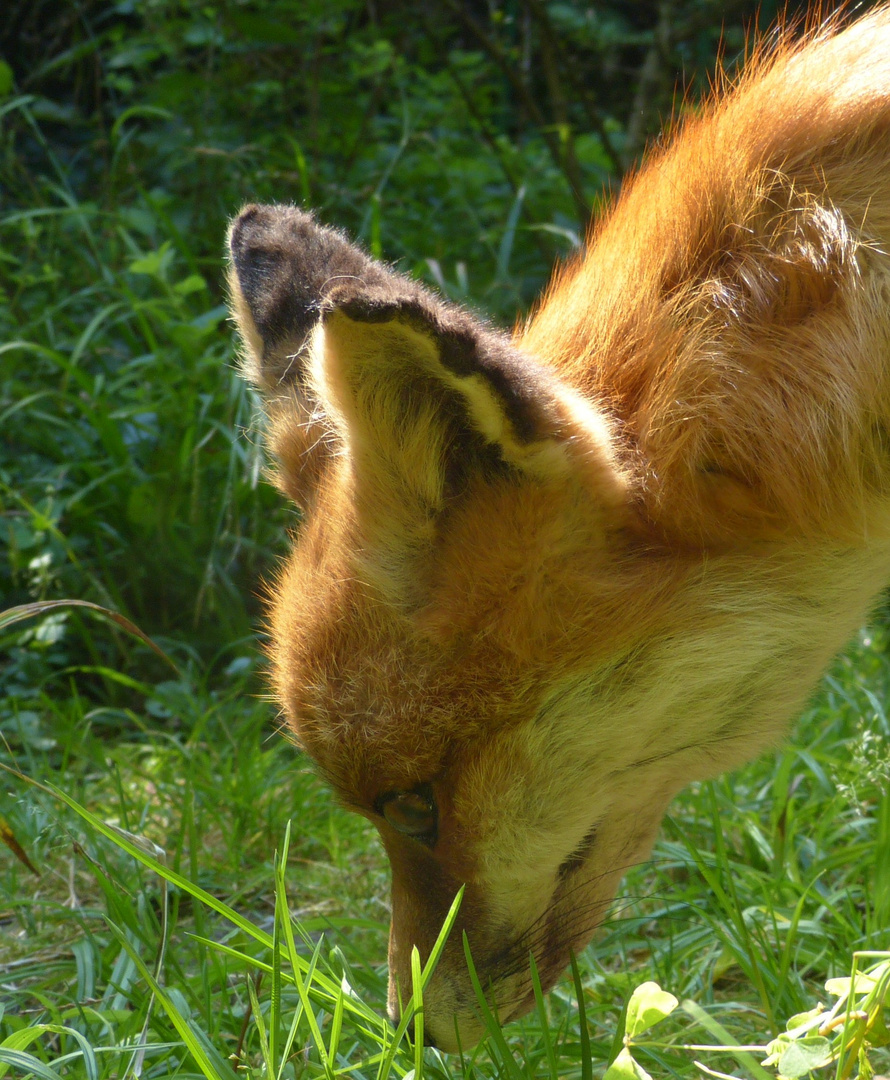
column 574, row 920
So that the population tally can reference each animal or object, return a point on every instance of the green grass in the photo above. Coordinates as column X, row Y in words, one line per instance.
column 762, row 886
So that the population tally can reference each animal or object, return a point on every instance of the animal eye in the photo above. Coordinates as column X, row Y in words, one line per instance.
column 411, row 812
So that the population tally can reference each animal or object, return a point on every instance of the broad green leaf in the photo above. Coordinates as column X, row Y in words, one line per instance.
column 864, row 984
column 879, row 1029
column 804, row 1055
column 776, row 1048
column 192, row 283
column 647, row 1006
column 626, row 1067
column 154, row 263
column 806, row 1020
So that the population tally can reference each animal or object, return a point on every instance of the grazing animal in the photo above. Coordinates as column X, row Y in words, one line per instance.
column 544, row 581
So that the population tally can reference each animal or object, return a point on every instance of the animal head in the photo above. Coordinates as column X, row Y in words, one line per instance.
column 543, row 582
column 467, row 524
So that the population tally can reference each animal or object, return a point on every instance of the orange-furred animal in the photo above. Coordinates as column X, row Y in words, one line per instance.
column 546, row 580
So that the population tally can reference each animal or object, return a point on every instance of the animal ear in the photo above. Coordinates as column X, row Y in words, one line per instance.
column 351, row 355
column 282, row 267
column 394, row 399
column 425, row 401
column 422, row 392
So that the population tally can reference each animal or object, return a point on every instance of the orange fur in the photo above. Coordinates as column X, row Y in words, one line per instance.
column 542, row 584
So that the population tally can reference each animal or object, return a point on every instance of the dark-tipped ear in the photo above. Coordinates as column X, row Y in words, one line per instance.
column 285, row 272
column 427, row 401
column 414, row 385
column 283, row 266
column 365, row 369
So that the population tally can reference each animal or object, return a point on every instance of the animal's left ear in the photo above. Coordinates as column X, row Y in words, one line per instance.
column 428, row 402
column 423, row 396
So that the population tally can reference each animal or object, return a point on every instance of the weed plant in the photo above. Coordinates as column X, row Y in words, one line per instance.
column 178, row 894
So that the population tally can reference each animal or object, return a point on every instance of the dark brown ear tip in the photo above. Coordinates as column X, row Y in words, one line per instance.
column 258, row 218
column 241, row 227
column 370, row 309
column 249, row 212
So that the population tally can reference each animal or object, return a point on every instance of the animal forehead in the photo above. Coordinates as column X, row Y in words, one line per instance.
column 372, row 727
column 362, row 769
column 389, row 719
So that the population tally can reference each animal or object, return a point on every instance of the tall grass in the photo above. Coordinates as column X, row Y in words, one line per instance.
column 126, row 471
column 155, row 927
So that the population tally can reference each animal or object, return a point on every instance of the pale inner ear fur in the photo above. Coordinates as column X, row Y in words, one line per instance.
column 385, row 386
column 420, row 431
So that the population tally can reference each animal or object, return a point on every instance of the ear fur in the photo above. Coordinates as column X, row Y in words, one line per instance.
column 405, row 383
column 283, row 266
column 426, row 402
column 357, row 361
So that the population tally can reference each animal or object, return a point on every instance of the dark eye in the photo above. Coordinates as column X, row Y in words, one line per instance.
column 411, row 812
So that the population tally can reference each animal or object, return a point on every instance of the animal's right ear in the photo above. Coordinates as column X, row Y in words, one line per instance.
column 415, row 396
column 284, row 266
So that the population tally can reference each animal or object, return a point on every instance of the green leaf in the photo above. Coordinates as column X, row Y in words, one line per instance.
column 27, row 1063
column 776, row 1048
column 804, row 1055
column 29, row 611
column 647, row 1006
column 626, row 1067
column 583, row 1030
column 489, row 1018
column 839, row 987
column 6, row 79
column 879, row 1030
column 154, row 263
column 806, row 1019
column 192, row 283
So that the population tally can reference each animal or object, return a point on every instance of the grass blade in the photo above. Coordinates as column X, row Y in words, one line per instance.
column 211, row 1063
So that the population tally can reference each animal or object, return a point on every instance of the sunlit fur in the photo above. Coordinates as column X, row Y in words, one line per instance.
column 560, row 578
